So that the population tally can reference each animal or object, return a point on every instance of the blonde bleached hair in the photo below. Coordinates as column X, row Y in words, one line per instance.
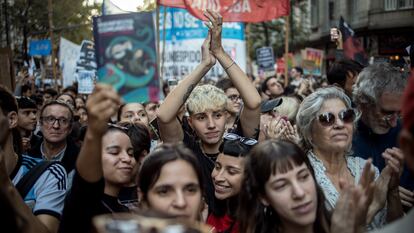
column 206, row 97
column 288, row 108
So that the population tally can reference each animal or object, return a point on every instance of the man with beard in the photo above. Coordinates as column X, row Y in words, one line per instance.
column 378, row 94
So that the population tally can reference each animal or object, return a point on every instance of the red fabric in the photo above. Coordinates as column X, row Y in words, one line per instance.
column 234, row 10
column 222, row 224
column 408, row 104
column 172, row 3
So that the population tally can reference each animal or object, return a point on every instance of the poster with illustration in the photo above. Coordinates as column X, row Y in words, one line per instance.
column 126, row 55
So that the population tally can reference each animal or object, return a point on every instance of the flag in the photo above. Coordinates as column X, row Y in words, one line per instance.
column 234, row 10
column 353, row 48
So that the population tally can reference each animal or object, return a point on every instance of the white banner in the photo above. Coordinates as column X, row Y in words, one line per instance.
column 68, row 55
column 185, row 35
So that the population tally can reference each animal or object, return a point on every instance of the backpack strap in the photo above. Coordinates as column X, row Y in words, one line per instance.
column 30, row 178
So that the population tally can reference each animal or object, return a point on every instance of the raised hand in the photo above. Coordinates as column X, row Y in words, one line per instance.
column 367, row 185
column 215, row 22
column 207, row 57
column 101, row 105
column 276, row 128
column 395, row 160
column 291, row 133
column 407, row 197
column 351, row 210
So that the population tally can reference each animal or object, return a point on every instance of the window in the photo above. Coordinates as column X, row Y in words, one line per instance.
column 390, row 5
column 314, row 13
column 331, row 10
column 405, row 4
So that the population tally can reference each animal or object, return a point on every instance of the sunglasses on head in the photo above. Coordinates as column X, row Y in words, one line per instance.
column 234, row 137
column 328, row 118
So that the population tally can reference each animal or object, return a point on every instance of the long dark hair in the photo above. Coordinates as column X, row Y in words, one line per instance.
column 151, row 167
column 265, row 159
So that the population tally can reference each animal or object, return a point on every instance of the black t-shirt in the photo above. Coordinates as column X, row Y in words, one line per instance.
column 207, row 166
column 84, row 201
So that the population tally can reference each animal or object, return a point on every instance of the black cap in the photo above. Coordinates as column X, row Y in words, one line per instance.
column 269, row 105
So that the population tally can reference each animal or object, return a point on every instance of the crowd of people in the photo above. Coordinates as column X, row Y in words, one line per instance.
column 240, row 155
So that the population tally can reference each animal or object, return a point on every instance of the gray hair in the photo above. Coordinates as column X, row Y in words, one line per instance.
column 375, row 80
column 310, row 107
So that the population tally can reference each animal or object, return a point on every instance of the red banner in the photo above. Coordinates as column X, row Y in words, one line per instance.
column 234, row 10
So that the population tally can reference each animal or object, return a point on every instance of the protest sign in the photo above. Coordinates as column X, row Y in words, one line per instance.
column 265, row 59
column 126, row 55
column 85, row 81
column 184, row 35
column 234, row 11
column 312, row 61
column 40, row 47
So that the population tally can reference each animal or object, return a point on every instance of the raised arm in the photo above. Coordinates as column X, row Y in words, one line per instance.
column 101, row 105
column 170, row 127
column 250, row 115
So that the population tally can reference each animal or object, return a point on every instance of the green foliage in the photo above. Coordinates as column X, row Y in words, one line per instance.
column 272, row 33
column 71, row 19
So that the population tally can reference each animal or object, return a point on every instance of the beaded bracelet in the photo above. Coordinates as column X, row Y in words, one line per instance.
column 229, row 66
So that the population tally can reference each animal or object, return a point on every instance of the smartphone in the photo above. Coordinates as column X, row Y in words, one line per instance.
column 334, row 34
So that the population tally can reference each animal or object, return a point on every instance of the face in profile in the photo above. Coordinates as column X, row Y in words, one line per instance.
column 118, row 162
column 292, row 195
column 134, row 112
column 227, row 176
column 177, row 191
column 27, row 118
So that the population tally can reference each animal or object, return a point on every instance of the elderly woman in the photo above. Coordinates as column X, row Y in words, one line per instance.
column 326, row 122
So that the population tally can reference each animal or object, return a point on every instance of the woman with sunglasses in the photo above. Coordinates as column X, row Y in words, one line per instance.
column 227, row 177
column 105, row 165
column 326, row 123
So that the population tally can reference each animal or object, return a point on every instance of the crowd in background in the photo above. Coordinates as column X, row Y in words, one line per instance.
column 245, row 154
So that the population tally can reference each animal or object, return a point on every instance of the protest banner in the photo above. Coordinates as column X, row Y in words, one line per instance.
column 312, row 61
column 126, row 55
column 68, row 55
column 234, row 11
column 184, row 35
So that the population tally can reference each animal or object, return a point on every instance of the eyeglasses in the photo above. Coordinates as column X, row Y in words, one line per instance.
column 234, row 97
column 328, row 118
column 50, row 120
column 234, row 137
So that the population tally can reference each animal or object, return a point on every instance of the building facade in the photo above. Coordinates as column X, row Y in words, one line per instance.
column 385, row 27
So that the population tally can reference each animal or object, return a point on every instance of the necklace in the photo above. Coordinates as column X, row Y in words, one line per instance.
column 211, row 157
